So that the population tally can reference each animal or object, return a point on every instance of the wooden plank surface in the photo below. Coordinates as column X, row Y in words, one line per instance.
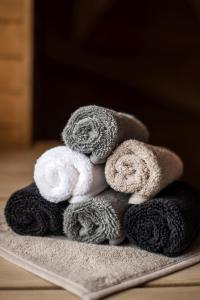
column 172, row 293
column 13, row 135
column 14, row 277
column 12, row 41
column 11, row 11
column 187, row 277
column 11, row 75
column 9, row 112
column 16, row 71
column 183, row 293
column 36, row 295
column 10, row 134
column 17, row 167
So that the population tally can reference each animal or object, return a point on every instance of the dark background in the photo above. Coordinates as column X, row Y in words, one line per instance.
column 140, row 57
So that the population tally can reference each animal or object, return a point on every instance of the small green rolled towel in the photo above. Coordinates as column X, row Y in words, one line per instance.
column 96, row 131
column 96, row 220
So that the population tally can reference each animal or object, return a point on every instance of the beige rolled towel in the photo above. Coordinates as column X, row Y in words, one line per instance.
column 142, row 169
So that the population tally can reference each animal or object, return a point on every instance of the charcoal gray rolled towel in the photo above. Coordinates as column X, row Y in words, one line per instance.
column 166, row 224
column 96, row 220
column 96, row 131
column 28, row 213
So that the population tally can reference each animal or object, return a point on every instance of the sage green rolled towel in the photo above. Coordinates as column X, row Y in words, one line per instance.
column 96, row 131
column 96, row 220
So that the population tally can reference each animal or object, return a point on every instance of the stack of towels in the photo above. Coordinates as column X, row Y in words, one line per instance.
column 108, row 185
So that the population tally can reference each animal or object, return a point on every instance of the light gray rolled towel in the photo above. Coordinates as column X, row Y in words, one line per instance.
column 96, row 220
column 96, row 131
column 142, row 169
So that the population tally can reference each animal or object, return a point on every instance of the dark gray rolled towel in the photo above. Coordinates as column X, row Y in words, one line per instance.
column 96, row 220
column 96, row 131
column 166, row 224
column 28, row 213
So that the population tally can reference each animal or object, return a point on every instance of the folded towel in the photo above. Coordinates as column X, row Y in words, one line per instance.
column 166, row 224
column 27, row 213
column 61, row 173
column 96, row 220
column 96, row 131
column 142, row 169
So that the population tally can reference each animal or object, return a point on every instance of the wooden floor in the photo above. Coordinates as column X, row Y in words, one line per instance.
column 16, row 284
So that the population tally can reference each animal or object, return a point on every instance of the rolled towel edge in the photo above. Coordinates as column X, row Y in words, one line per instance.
column 117, row 241
column 137, row 199
column 143, row 128
column 79, row 198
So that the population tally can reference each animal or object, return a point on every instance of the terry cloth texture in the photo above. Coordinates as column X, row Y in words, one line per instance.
column 27, row 213
column 167, row 224
column 97, row 220
column 61, row 173
column 96, row 131
column 142, row 169
column 90, row 271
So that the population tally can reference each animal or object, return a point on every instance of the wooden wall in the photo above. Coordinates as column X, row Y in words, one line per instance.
column 15, row 71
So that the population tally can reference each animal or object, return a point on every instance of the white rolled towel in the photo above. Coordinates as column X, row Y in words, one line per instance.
column 61, row 173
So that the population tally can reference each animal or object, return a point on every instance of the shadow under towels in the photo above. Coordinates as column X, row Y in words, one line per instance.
column 96, row 220
column 27, row 213
column 96, row 131
column 166, row 224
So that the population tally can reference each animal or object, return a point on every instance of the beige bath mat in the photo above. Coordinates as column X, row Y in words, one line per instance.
column 89, row 271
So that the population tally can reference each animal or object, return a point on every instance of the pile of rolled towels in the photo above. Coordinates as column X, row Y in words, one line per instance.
column 107, row 184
